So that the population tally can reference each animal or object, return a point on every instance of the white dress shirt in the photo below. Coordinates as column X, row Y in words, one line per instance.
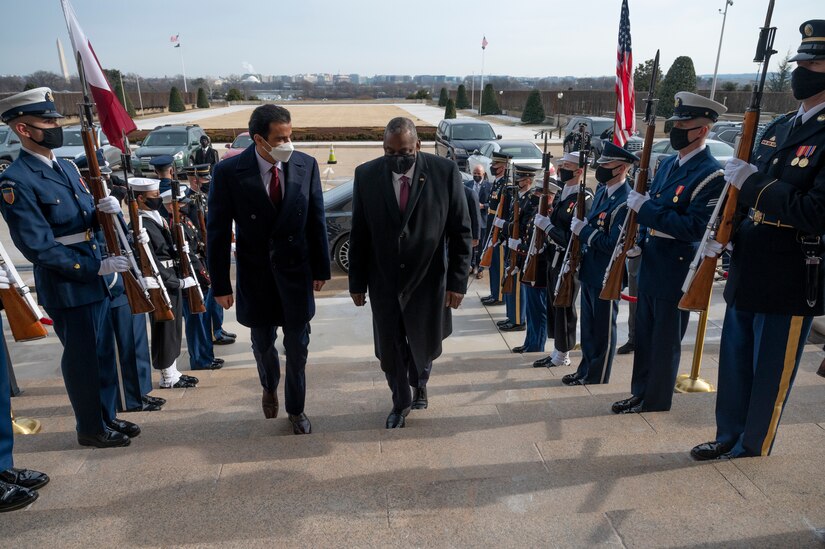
column 396, row 183
column 683, row 159
column 40, row 157
column 807, row 115
column 568, row 190
column 266, row 174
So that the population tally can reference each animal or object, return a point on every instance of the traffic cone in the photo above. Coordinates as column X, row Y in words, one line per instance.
column 332, row 155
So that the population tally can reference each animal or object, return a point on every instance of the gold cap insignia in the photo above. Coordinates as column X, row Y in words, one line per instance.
column 49, row 97
column 678, row 102
column 809, row 30
column 820, row 118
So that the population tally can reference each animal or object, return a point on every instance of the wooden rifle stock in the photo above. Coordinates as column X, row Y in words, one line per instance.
column 699, row 283
column 193, row 293
column 492, row 240
column 158, row 296
column 515, row 233
column 537, row 241
column 614, row 274
column 21, row 310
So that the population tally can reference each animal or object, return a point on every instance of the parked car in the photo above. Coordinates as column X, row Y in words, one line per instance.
column 338, row 212
column 73, row 150
column 525, row 153
column 457, row 138
column 719, row 150
column 237, row 146
column 179, row 141
column 9, row 147
column 600, row 129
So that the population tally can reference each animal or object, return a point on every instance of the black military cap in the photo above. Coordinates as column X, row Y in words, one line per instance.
column 522, row 171
column 813, row 41
column 201, row 171
column 614, row 153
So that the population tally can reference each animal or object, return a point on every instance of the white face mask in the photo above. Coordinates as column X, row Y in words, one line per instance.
column 281, row 153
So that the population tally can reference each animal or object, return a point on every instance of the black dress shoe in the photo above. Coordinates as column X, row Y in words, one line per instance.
column 107, row 439
column 180, row 384
column 626, row 349
column 543, row 362
column 25, row 478
column 419, row 398
column 572, row 379
column 225, row 340
column 230, row 335
column 14, row 497
column 218, row 360
column 144, row 407
column 710, row 450
column 638, row 409
column 269, row 404
column 626, row 404
column 300, row 424
column 821, row 370
column 214, row 365
column 396, row 418
column 512, row 328
column 126, row 427
column 520, row 349
column 154, row 400
column 189, row 379
column 487, row 300
column 501, row 323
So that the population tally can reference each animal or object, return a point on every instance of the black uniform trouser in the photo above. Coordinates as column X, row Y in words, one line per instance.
column 296, row 345
column 561, row 321
column 401, row 371
column 166, row 334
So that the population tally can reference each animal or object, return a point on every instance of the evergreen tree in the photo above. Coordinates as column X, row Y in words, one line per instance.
column 641, row 76
column 461, row 99
column 29, row 86
column 176, row 101
column 780, row 80
column 442, row 97
column 203, row 102
column 115, row 78
column 681, row 76
column 533, row 110
column 449, row 112
column 234, row 94
column 729, row 86
column 489, row 103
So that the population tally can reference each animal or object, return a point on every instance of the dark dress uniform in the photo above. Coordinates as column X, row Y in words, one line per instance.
column 598, row 317
column 45, row 206
column 672, row 223
column 514, row 301
column 498, row 192
column 535, row 295
column 198, row 338
column 561, row 321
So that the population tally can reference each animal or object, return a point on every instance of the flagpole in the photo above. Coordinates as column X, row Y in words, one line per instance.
column 473, row 91
column 481, row 85
column 140, row 97
column 183, row 67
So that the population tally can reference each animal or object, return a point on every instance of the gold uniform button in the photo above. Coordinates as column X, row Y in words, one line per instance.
column 77, row 266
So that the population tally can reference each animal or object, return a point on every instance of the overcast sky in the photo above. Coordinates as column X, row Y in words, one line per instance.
column 526, row 37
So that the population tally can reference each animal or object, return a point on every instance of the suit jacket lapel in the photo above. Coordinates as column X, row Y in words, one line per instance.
column 418, row 181
column 250, row 177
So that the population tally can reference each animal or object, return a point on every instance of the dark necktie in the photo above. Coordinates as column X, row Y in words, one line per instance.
column 275, row 195
column 797, row 123
column 404, row 195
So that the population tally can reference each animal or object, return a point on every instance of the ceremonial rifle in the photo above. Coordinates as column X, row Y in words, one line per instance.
column 614, row 274
column 515, row 233
column 112, row 232
column 573, row 255
column 493, row 238
column 148, row 268
column 537, row 239
column 21, row 309
column 699, row 281
column 193, row 293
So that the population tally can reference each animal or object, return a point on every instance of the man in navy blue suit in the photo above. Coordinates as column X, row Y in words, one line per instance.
column 673, row 216
column 274, row 197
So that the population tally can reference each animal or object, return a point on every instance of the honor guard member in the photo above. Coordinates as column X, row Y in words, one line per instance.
column 52, row 220
column 535, row 293
column 165, row 334
column 598, row 234
column 198, row 341
column 498, row 169
column 514, row 300
column 200, row 178
column 561, row 321
column 206, row 154
column 673, row 216
column 775, row 281
column 163, row 165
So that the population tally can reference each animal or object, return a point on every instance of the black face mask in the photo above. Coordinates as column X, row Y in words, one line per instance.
column 806, row 83
column 566, row 175
column 205, row 188
column 497, row 170
column 603, row 175
column 477, row 178
column 679, row 137
column 400, row 163
column 155, row 203
column 52, row 137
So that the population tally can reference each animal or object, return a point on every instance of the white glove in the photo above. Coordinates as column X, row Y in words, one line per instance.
column 737, row 171
column 185, row 248
column 150, row 283
column 542, row 222
column 513, row 243
column 5, row 283
column 187, row 282
column 635, row 251
column 113, row 264
column 143, row 237
column 715, row 249
column 635, row 201
column 109, row 205
column 576, row 225
column 498, row 222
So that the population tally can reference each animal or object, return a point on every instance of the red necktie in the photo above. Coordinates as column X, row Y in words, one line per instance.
column 404, row 195
column 275, row 195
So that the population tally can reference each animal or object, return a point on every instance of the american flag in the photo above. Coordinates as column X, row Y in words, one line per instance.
column 625, row 125
column 484, row 42
column 174, row 39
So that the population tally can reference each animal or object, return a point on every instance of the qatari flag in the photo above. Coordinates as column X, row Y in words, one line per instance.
column 114, row 120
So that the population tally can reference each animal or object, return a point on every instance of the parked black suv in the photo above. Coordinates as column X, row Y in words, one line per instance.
column 599, row 128
column 457, row 138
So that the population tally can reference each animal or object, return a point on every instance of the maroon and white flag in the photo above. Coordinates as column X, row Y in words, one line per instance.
column 114, row 120
column 625, row 124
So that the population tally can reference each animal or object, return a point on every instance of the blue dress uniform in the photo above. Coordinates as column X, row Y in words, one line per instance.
column 683, row 196
column 779, row 240
column 43, row 206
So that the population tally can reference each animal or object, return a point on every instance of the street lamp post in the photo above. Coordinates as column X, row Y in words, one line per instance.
column 559, row 97
column 719, row 51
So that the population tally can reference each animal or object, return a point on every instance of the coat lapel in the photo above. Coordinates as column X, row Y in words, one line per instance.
column 295, row 173
column 249, row 176
column 387, row 190
column 802, row 134
column 49, row 173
